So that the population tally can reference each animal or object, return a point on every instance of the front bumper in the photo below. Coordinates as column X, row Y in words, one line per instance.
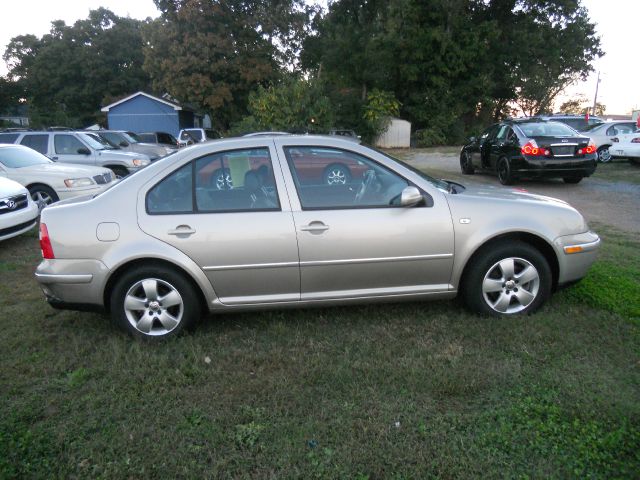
column 576, row 254
column 73, row 283
column 526, row 166
column 19, row 221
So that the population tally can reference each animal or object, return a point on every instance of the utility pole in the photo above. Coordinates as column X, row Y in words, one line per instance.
column 595, row 99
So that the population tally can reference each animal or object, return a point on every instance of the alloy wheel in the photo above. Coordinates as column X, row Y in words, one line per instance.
column 604, row 155
column 511, row 285
column 223, row 181
column 42, row 199
column 336, row 176
column 153, row 307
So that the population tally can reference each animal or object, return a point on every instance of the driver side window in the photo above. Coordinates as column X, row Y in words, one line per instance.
column 67, row 145
column 330, row 178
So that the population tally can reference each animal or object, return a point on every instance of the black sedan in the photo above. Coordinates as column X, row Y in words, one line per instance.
column 530, row 148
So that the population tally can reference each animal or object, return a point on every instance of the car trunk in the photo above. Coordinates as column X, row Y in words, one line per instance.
column 562, row 146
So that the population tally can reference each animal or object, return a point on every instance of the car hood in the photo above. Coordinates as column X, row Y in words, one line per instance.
column 62, row 169
column 9, row 188
column 510, row 194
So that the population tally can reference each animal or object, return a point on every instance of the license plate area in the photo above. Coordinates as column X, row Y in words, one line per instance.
column 563, row 150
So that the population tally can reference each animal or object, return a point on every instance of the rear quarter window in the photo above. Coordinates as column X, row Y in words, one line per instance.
column 8, row 137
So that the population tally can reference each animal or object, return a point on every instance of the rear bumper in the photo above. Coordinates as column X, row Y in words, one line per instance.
column 73, row 283
column 553, row 167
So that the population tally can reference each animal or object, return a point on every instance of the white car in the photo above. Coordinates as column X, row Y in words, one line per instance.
column 627, row 146
column 603, row 135
column 18, row 212
column 49, row 181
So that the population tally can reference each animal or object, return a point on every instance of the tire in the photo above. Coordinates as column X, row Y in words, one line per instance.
column 336, row 174
column 465, row 164
column 604, row 156
column 43, row 195
column 120, row 172
column 504, row 172
column 490, row 288
column 154, row 302
column 221, row 179
column 572, row 180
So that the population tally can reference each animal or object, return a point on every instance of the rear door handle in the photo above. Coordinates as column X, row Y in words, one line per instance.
column 182, row 230
column 315, row 227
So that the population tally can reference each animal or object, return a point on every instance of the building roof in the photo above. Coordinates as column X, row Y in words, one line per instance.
column 126, row 99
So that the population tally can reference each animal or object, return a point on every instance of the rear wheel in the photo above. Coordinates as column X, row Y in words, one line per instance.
column 507, row 278
column 465, row 164
column 604, row 155
column 154, row 302
column 337, row 175
column 504, row 172
column 572, row 179
column 43, row 195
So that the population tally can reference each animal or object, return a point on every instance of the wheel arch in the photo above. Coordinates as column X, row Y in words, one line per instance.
column 35, row 184
column 150, row 261
column 539, row 243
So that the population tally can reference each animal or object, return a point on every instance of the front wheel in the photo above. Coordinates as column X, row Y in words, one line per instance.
column 465, row 164
column 43, row 195
column 604, row 155
column 506, row 279
column 119, row 172
column 504, row 172
column 154, row 302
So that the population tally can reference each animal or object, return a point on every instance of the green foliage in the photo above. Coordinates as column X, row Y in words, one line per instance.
column 293, row 105
column 379, row 109
column 579, row 105
column 69, row 72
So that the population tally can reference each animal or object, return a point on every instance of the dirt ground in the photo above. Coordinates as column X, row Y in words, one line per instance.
column 610, row 197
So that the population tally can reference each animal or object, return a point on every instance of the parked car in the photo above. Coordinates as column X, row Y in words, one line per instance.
column 49, row 181
column 80, row 148
column 162, row 138
column 18, row 212
column 627, row 145
column 530, row 149
column 129, row 143
column 165, row 244
column 189, row 136
column 350, row 134
column 603, row 136
column 579, row 123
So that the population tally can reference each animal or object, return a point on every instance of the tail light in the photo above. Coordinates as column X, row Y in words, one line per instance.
column 45, row 243
column 636, row 140
column 531, row 149
column 588, row 150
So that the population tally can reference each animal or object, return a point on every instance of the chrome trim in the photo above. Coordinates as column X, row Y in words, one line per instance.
column 353, row 261
column 318, row 263
column 249, row 266
column 63, row 278
column 586, row 247
column 563, row 144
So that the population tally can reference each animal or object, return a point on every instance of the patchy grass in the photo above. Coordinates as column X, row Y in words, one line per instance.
column 412, row 390
column 618, row 171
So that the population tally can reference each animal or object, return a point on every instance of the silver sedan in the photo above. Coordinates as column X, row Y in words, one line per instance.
column 253, row 223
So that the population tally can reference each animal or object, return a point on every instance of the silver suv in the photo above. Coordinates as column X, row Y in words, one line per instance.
column 128, row 142
column 79, row 147
column 166, row 244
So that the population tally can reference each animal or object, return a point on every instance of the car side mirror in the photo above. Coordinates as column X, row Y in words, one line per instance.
column 410, row 196
column 84, row 151
column 124, row 144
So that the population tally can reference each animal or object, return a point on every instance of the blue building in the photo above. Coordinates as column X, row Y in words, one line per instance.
column 142, row 112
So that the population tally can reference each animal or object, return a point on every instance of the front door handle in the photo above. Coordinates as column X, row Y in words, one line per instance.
column 181, row 230
column 315, row 227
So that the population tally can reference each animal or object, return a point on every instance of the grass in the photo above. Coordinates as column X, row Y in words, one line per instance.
column 412, row 390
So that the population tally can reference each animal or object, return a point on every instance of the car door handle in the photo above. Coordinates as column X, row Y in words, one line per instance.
column 182, row 230
column 315, row 227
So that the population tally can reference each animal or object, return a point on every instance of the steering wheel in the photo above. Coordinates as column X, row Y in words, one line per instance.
column 369, row 177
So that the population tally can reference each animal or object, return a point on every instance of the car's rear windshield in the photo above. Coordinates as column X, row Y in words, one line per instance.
column 16, row 157
column 547, row 129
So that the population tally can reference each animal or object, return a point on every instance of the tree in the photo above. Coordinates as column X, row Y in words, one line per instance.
column 70, row 71
column 213, row 53
column 579, row 105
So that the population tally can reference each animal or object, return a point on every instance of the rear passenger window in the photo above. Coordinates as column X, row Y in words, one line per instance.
column 8, row 137
column 232, row 181
column 40, row 143
column 174, row 194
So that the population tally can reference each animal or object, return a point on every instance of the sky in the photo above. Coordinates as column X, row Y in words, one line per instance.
column 617, row 25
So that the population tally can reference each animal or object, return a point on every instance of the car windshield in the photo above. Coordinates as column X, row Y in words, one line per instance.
column 433, row 181
column 134, row 136
column 95, row 141
column 14, row 157
column 194, row 134
column 129, row 138
column 547, row 129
